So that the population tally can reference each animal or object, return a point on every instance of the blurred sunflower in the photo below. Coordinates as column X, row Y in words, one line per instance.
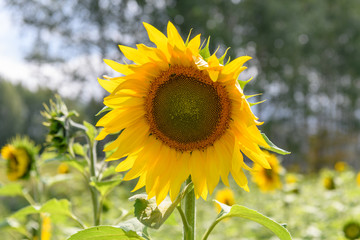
column 225, row 196
column 20, row 155
column 63, row 168
column 329, row 183
column 184, row 114
column 340, row 166
column 268, row 179
column 352, row 230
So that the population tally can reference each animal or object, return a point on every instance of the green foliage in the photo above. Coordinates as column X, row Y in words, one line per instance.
column 11, row 190
column 105, row 187
column 273, row 147
column 105, row 233
column 244, row 212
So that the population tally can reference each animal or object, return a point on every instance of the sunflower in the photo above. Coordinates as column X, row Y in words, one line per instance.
column 340, row 166
column 20, row 154
column 352, row 230
column 358, row 179
column 63, row 168
column 183, row 113
column 329, row 183
column 268, row 179
column 225, row 196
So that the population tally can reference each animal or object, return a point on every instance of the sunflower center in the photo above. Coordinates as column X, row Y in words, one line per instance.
column 186, row 109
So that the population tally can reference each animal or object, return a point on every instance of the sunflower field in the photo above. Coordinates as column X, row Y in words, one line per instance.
column 152, row 120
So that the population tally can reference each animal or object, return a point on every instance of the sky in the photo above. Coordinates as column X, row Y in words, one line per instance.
column 14, row 44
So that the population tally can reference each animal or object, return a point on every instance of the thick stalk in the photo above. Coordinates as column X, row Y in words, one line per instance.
column 190, row 213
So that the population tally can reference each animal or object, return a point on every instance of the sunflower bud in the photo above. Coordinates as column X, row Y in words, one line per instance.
column 57, row 120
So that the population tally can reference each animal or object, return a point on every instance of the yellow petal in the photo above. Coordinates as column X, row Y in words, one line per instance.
column 126, row 164
column 109, row 86
column 194, row 44
column 235, row 64
column 121, row 68
column 133, row 54
column 157, row 37
column 174, row 37
column 197, row 162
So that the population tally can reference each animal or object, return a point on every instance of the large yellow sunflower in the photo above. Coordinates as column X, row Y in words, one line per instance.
column 183, row 113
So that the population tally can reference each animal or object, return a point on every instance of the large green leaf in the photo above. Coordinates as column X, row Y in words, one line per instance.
column 11, row 190
column 273, row 147
column 250, row 214
column 105, row 233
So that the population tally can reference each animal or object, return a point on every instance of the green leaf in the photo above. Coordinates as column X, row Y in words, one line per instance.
column 104, row 233
column 24, row 212
column 221, row 59
column 104, row 187
column 273, row 147
column 134, row 225
column 56, row 207
column 104, row 109
column 78, row 149
column 53, row 206
column 152, row 215
column 90, row 131
column 11, row 190
column 244, row 212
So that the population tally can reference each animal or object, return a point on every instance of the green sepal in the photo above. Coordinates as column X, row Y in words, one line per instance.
column 221, row 59
column 104, row 109
column 273, row 147
column 250, row 214
column 104, row 233
column 243, row 83
column 188, row 38
column 205, row 52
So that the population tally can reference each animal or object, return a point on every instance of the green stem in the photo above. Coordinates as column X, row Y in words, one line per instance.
column 93, row 191
column 219, row 218
column 208, row 231
column 190, row 213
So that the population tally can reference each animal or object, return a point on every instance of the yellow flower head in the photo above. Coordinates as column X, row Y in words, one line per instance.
column 352, row 230
column 268, row 179
column 329, row 183
column 291, row 178
column 183, row 113
column 20, row 154
column 63, row 168
column 358, row 179
column 340, row 166
column 225, row 196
